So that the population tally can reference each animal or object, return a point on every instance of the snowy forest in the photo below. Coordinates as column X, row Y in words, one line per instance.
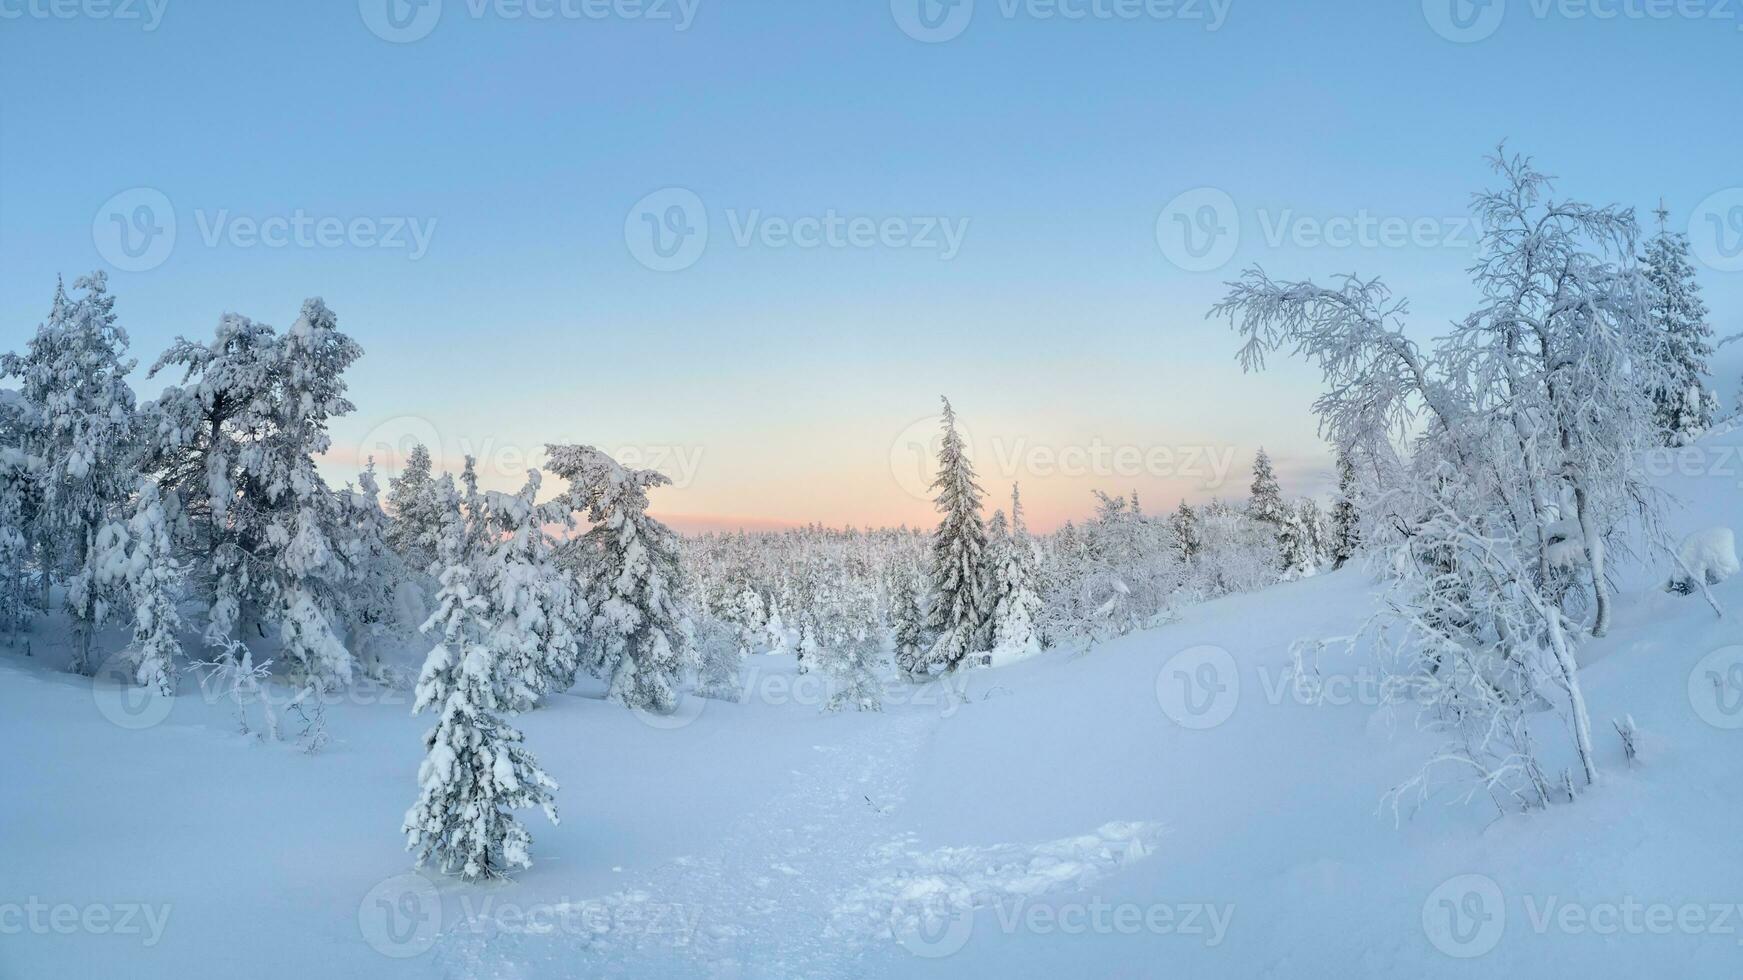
column 1487, row 480
column 639, row 638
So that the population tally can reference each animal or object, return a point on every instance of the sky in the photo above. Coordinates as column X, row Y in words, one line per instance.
column 751, row 244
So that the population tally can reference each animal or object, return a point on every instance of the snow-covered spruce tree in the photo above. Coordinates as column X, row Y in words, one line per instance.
column 637, row 638
column 908, row 623
column 1345, row 529
column 535, row 607
column 236, row 443
column 416, row 530
column 721, row 657
column 374, row 574
column 752, row 620
column 74, row 377
column 18, row 475
column 1187, row 541
column 723, row 642
column 849, row 647
column 776, row 631
column 136, row 564
column 1683, row 407
column 1016, row 603
column 961, row 610
column 477, row 770
column 1294, row 544
column 1265, row 502
column 1318, row 532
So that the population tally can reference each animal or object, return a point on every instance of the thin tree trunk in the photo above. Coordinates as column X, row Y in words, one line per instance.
column 1594, row 544
column 1564, row 660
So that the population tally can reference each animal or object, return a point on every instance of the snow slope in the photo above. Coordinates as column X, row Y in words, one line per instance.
column 1069, row 815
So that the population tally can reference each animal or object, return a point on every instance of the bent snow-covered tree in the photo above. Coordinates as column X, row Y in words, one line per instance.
column 1522, row 476
column 638, row 639
column 236, row 442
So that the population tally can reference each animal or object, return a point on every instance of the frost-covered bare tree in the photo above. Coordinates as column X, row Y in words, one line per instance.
column 1524, row 427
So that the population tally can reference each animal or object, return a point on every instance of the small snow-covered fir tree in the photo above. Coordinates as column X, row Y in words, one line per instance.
column 751, row 619
column 374, row 573
column 1682, row 405
column 1345, row 529
column 961, row 609
column 416, row 530
column 721, row 654
column 477, row 770
column 848, row 647
column 1187, row 540
column 1265, row 503
column 18, row 474
column 805, row 650
column 776, row 631
column 637, row 639
column 135, row 563
column 909, row 625
column 1016, row 606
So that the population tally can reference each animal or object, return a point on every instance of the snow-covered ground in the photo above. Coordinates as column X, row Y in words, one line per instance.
column 1168, row 804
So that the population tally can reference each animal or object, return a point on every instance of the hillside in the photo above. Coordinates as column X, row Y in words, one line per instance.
column 1045, row 819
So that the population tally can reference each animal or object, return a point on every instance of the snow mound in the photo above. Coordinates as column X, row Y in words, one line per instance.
column 1709, row 556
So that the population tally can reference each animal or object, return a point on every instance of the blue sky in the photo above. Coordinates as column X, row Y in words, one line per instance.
column 782, row 382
